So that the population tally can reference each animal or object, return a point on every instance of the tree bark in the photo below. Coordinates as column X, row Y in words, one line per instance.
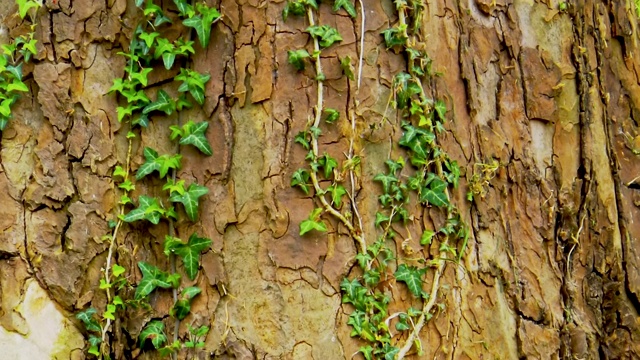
column 552, row 266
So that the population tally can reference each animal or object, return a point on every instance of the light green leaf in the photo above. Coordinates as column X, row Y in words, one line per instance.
column 313, row 222
column 296, row 58
column 325, row 34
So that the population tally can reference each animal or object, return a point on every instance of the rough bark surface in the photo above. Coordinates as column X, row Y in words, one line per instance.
column 553, row 265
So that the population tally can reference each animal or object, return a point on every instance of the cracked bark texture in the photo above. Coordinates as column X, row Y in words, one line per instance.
column 552, row 269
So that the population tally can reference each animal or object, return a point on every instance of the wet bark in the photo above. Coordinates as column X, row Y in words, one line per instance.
column 552, row 268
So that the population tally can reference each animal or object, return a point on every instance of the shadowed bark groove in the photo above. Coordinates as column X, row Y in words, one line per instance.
column 552, row 269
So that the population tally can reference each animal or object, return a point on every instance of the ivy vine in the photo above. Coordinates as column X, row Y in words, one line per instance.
column 147, row 48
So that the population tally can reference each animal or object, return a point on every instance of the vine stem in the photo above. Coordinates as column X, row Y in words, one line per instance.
column 314, row 144
column 352, row 119
column 172, row 259
column 112, row 243
column 435, row 285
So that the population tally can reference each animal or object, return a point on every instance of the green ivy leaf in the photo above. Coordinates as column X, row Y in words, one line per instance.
column 117, row 270
column 190, row 292
column 337, row 192
column 180, row 309
column 347, row 68
column 301, row 178
column 189, row 252
column 411, row 276
column 441, row 110
column 329, row 164
column 296, row 58
column 152, row 278
column 148, row 209
column 154, row 331
column 331, row 115
column 426, row 237
column 162, row 164
column 119, row 171
column 148, row 38
column 190, row 199
column 346, row 5
column 87, row 318
column 380, row 218
column 25, row 5
column 394, row 36
column 325, row 34
column 184, row 8
column 202, row 23
column 193, row 134
column 313, row 222
column 387, row 180
column 163, row 102
column 141, row 76
column 435, row 193
column 301, row 138
column 194, row 82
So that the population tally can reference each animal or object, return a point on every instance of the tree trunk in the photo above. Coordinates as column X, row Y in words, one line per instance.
column 545, row 92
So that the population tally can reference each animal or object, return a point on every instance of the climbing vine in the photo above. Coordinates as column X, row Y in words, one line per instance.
column 148, row 46
column 430, row 175
column 14, row 55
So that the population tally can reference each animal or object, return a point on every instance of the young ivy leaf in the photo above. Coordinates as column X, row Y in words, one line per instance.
column 148, row 209
column 202, row 23
column 190, row 199
column 426, row 237
column 152, row 278
column 332, row 115
column 193, row 134
column 25, row 5
column 154, row 331
column 411, row 276
column 189, row 252
column 296, row 58
column 325, row 34
column 346, row 5
column 313, row 222
column 160, row 163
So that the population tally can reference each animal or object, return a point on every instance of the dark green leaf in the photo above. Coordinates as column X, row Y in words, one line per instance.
column 154, row 331
column 190, row 254
column 194, row 134
column 164, row 103
column 411, row 276
column 190, row 199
